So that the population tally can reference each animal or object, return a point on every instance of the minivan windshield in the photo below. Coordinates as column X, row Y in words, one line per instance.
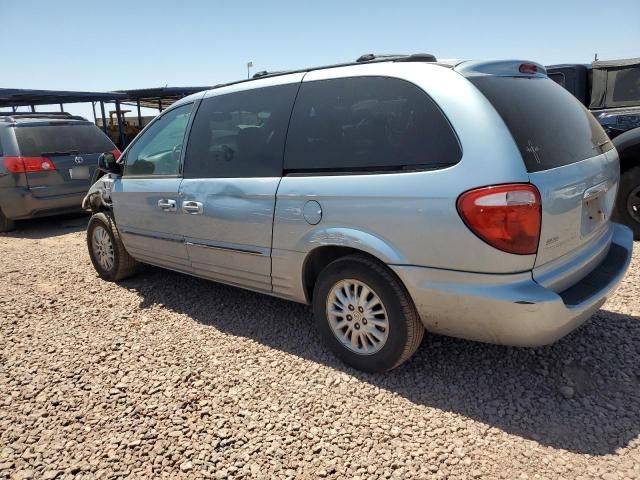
column 37, row 139
column 550, row 127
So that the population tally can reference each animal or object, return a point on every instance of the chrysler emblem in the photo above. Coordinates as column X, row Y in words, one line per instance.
column 78, row 160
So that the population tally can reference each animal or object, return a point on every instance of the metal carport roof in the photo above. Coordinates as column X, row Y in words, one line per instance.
column 19, row 97
column 159, row 98
column 156, row 98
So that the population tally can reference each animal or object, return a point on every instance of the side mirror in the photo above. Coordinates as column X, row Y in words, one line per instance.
column 107, row 162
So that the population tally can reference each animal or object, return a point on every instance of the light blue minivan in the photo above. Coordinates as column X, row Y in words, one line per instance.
column 394, row 194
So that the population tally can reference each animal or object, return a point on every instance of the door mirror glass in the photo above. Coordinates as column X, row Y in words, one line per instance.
column 107, row 162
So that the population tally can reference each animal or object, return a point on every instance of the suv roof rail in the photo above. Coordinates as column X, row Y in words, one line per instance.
column 415, row 57
column 35, row 114
column 265, row 73
column 15, row 115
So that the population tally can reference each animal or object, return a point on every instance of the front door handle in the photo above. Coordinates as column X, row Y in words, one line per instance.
column 167, row 205
column 192, row 208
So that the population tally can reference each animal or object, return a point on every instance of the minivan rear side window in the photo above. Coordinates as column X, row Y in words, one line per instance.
column 549, row 125
column 368, row 124
column 240, row 134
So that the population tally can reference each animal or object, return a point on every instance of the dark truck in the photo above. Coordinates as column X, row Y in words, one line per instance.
column 611, row 90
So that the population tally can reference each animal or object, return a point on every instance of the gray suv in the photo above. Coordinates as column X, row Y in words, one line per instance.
column 397, row 194
column 46, row 162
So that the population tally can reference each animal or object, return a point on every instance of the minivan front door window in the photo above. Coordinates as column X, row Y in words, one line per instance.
column 157, row 151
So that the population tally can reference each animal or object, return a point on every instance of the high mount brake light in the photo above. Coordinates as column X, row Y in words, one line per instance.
column 528, row 68
column 28, row 164
column 507, row 217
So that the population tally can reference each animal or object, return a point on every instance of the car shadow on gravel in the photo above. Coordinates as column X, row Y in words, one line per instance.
column 581, row 394
column 46, row 227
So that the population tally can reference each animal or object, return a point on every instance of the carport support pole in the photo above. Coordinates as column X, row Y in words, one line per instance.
column 33, row 108
column 62, row 109
column 95, row 119
column 104, row 118
column 120, row 126
column 160, row 104
column 139, row 114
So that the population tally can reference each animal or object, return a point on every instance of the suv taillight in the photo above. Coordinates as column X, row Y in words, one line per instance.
column 507, row 217
column 28, row 164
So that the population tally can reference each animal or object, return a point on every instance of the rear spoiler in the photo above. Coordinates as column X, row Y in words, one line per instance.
column 501, row 68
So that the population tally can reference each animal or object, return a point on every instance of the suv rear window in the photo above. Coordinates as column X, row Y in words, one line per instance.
column 37, row 139
column 549, row 125
column 368, row 123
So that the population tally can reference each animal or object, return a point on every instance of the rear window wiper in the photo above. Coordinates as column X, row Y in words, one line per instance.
column 59, row 154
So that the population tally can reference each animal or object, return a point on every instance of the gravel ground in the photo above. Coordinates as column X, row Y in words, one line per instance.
column 167, row 376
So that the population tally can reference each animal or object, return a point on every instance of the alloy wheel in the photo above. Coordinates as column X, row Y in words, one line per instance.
column 357, row 317
column 103, row 248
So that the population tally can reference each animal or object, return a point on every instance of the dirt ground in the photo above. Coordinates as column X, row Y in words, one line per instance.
column 168, row 376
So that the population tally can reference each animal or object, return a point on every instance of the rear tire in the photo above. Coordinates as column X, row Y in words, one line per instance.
column 6, row 225
column 628, row 198
column 106, row 250
column 365, row 315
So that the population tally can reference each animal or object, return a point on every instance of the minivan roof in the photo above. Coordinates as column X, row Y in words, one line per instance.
column 464, row 67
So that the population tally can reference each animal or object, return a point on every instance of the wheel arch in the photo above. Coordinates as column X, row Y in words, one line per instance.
column 628, row 146
column 345, row 242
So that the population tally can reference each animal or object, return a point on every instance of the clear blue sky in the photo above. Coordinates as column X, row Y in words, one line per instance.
column 115, row 44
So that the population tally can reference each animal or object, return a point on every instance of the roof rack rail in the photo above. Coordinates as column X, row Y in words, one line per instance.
column 415, row 57
column 369, row 57
column 265, row 73
column 61, row 115
column 35, row 114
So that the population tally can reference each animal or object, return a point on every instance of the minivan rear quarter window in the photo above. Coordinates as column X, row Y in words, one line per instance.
column 367, row 124
column 549, row 125
column 37, row 139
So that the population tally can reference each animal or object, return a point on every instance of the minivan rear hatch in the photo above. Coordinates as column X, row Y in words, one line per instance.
column 568, row 156
column 61, row 156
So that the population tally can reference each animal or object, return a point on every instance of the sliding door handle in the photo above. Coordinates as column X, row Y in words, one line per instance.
column 192, row 208
column 167, row 205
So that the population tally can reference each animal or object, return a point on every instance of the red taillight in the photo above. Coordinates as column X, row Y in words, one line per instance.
column 28, row 164
column 14, row 164
column 116, row 153
column 528, row 68
column 505, row 216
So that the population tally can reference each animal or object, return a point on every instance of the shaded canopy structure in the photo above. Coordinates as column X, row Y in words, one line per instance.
column 18, row 97
column 156, row 98
column 159, row 98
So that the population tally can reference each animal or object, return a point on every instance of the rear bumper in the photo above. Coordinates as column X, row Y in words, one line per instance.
column 19, row 203
column 513, row 309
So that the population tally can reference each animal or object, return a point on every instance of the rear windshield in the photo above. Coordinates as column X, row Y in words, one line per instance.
column 35, row 140
column 550, row 127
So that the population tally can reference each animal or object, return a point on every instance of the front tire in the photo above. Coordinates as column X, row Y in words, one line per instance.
column 106, row 250
column 365, row 315
column 627, row 209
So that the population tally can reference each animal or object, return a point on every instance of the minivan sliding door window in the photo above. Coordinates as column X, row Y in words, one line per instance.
column 240, row 134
